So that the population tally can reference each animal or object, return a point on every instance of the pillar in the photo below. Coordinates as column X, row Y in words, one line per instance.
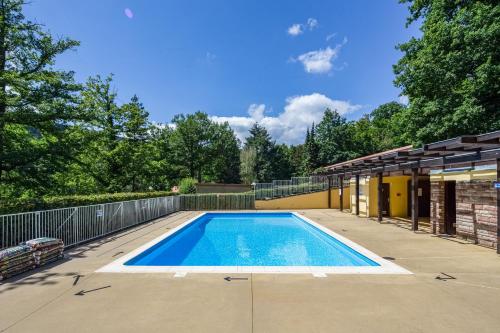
column 379, row 196
column 341, row 189
column 357, row 194
column 414, row 199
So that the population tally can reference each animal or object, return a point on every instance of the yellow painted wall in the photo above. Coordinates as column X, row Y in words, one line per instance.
column 465, row 176
column 306, row 201
column 302, row 201
column 373, row 197
column 336, row 198
column 347, row 195
column 398, row 198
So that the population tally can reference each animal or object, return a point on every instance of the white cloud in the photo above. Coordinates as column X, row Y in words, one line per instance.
column 256, row 111
column 291, row 124
column 312, row 23
column 319, row 61
column 298, row 28
column 295, row 30
column 330, row 36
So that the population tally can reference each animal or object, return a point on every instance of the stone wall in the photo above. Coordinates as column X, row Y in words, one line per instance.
column 477, row 212
column 437, row 207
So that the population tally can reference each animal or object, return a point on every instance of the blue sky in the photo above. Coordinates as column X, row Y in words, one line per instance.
column 277, row 62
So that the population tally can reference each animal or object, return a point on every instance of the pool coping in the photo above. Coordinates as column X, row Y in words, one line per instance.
column 386, row 266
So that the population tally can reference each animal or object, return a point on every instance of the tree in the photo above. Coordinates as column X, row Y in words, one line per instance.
column 209, row 151
column 190, row 142
column 297, row 155
column 101, row 132
column 37, row 103
column 248, row 158
column 260, row 141
column 450, row 73
column 280, row 162
column 224, row 166
column 334, row 138
column 163, row 172
column 365, row 137
column 387, row 126
column 311, row 156
column 133, row 152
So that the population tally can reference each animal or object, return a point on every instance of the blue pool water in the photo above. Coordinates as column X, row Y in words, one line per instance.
column 250, row 239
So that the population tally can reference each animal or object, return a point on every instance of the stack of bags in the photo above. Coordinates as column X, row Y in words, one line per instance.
column 16, row 260
column 34, row 253
column 46, row 249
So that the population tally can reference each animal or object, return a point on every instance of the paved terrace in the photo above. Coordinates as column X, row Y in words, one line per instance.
column 45, row 301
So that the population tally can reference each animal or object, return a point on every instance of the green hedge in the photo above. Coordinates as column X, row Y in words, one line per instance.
column 25, row 205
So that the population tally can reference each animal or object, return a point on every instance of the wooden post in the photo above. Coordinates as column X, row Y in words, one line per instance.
column 329, row 191
column 414, row 199
column 498, row 207
column 357, row 194
column 379, row 196
column 341, row 189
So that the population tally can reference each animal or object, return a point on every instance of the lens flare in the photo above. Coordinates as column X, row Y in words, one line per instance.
column 129, row 13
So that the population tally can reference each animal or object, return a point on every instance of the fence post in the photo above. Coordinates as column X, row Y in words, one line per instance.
column 102, row 219
column 75, row 225
column 121, row 215
column 37, row 221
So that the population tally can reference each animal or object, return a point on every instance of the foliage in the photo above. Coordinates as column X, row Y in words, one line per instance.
column 187, row 186
column 224, row 165
column 335, row 138
column 37, row 104
column 450, row 73
column 248, row 157
column 260, row 141
column 311, row 159
column 208, row 150
column 60, row 138
column 43, row 203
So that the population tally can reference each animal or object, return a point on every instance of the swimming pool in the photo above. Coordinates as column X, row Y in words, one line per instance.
column 252, row 242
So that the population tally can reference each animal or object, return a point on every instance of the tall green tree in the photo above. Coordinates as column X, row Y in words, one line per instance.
column 248, row 159
column 281, row 162
column 224, row 166
column 191, row 142
column 101, row 132
column 134, row 147
column 335, row 138
column 260, row 140
column 37, row 103
column 451, row 73
column 311, row 157
column 297, row 155
column 209, row 151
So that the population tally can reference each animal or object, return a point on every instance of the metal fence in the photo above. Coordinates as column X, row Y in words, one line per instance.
column 75, row 225
column 296, row 185
column 217, row 201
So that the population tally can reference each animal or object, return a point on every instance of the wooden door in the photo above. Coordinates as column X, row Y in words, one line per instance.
column 450, row 207
column 386, row 199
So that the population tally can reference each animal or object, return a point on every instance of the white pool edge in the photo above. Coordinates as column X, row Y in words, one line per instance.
column 386, row 266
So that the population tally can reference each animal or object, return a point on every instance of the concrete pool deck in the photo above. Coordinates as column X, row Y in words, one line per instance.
column 455, row 288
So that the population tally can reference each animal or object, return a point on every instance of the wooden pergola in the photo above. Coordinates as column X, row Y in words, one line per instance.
column 467, row 149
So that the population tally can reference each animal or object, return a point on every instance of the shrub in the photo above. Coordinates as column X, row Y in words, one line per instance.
column 43, row 203
column 187, row 186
